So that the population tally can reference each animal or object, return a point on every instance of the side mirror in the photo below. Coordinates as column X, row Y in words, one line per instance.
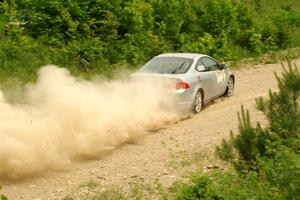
column 200, row 68
column 223, row 66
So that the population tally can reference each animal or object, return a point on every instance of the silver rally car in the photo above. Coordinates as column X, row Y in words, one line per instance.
column 198, row 78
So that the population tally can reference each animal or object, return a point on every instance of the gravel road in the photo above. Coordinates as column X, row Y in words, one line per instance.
column 164, row 154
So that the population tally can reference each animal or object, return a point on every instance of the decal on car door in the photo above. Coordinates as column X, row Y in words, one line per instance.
column 220, row 76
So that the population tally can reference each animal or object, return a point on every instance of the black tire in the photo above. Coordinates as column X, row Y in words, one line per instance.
column 230, row 87
column 198, row 102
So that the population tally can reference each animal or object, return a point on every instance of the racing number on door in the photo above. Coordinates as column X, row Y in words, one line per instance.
column 220, row 76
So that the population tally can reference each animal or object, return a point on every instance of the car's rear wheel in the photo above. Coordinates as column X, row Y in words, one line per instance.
column 230, row 87
column 198, row 102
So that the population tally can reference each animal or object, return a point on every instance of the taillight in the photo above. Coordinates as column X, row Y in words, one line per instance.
column 182, row 85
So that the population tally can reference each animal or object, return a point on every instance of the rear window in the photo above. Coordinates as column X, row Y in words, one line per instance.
column 167, row 65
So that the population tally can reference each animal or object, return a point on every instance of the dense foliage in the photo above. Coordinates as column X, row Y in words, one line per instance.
column 94, row 35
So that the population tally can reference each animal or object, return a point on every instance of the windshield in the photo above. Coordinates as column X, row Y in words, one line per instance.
column 167, row 65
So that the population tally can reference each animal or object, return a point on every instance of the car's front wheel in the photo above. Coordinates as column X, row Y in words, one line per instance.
column 198, row 103
column 230, row 87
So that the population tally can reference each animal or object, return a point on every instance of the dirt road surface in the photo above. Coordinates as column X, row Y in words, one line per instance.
column 162, row 155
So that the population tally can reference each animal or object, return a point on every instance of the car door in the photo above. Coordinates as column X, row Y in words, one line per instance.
column 207, row 78
column 219, row 75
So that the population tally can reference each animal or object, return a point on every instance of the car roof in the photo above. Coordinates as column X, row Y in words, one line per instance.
column 182, row 55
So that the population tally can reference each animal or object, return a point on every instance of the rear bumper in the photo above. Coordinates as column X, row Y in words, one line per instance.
column 183, row 100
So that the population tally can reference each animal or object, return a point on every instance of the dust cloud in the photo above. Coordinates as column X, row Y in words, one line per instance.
column 63, row 119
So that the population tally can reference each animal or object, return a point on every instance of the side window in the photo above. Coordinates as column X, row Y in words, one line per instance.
column 199, row 62
column 210, row 64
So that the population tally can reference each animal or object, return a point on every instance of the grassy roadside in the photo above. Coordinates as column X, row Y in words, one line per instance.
column 267, row 58
column 18, row 78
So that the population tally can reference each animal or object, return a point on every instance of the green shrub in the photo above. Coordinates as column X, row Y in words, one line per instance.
column 243, row 149
column 260, row 104
column 276, row 177
column 283, row 109
column 200, row 187
column 281, row 170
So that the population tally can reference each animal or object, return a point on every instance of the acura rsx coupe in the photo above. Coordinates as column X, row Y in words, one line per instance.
column 198, row 78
